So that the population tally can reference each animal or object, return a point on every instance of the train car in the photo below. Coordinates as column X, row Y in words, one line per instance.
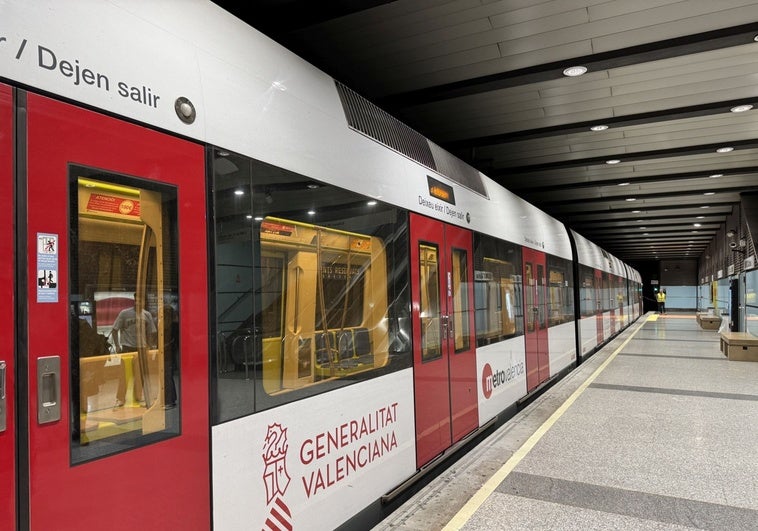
column 242, row 296
column 609, row 295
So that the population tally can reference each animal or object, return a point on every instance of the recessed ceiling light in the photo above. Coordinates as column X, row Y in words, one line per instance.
column 636, row 211
column 700, row 217
column 249, row 216
column 311, row 212
column 755, row 38
column 697, row 225
column 239, row 192
column 258, row 218
column 724, row 150
column 706, row 206
column 574, row 71
column 709, row 193
column 598, row 128
column 631, row 199
column 371, row 203
column 741, row 108
column 612, row 161
column 623, row 184
column 715, row 175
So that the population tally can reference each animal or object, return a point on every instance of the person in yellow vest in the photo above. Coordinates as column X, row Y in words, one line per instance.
column 661, row 298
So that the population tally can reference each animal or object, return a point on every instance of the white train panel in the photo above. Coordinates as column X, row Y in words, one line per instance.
column 340, row 450
column 502, row 380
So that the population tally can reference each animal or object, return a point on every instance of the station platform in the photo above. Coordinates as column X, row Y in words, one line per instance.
column 658, row 430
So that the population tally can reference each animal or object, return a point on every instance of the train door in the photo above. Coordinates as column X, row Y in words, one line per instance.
column 444, row 354
column 7, row 318
column 535, row 316
column 598, row 289
column 115, row 404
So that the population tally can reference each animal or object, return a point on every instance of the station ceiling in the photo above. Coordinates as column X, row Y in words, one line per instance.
column 485, row 79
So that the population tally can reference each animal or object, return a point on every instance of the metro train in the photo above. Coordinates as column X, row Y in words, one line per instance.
column 325, row 305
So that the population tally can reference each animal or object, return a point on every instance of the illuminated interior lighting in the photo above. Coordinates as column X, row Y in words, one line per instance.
column 724, row 149
column 631, row 199
column 708, row 193
column 574, row 71
column 623, row 184
column 697, row 225
column 715, row 175
column 598, row 128
column 612, row 161
column 371, row 203
column 311, row 212
column 239, row 192
column 741, row 108
column 249, row 216
column 258, row 218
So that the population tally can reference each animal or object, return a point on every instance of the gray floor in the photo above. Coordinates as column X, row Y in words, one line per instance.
column 656, row 431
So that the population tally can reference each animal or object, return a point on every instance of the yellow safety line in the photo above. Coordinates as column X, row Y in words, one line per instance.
column 467, row 511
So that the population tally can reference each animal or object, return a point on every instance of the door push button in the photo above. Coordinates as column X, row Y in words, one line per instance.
column 48, row 389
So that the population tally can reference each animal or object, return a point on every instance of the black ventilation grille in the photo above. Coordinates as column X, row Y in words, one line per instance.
column 456, row 170
column 367, row 118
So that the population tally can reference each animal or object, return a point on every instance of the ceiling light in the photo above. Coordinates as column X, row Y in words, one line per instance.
column 623, row 184
column 311, row 212
column 258, row 218
column 700, row 217
column 706, row 206
column 631, row 199
column 239, row 192
column 636, row 211
column 371, row 203
column 574, row 71
column 755, row 38
column 741, row 108
column 724, row 150
column 612, row 161
column 312, row 186
column 598, row 128
column 697, row 225
column 715, row 175
column 709, row 193
column 249, row 216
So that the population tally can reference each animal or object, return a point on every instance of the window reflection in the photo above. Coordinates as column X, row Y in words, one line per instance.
column 124, row 319
column 311, row 287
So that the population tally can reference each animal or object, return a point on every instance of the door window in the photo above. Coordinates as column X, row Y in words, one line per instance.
column 124, row 318
column 429, row 273
column 461, row 331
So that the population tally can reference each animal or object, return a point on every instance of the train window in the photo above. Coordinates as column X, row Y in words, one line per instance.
column 311, row 287
column 497, row 290
column 587, row 291
column 560, row 290
column 429, row 310
column 124, row 313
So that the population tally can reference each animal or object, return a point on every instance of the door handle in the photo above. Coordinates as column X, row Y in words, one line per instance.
column 3, row 414
column 48, row 389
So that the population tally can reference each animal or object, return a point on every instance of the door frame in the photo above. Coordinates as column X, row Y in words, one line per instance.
column 536, row 347
column 66, row 135
column 8, row 428
column 446, row 408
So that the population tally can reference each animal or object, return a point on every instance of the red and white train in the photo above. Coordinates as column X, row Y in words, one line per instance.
column 329, row 304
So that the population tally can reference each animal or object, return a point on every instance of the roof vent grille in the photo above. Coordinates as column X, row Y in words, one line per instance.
column 367, row 118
